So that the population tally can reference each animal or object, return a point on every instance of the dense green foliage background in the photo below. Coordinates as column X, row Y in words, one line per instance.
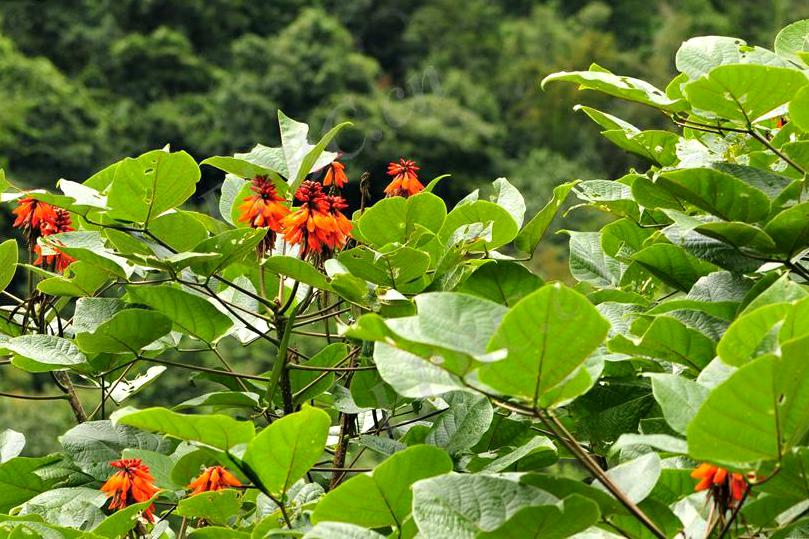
column 450, row 84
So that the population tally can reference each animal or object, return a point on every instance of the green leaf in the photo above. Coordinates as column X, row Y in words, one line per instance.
column 395, row 219
column 745, row 338
column 122, row 521
column 147, row 186
column 668, row 339
column 697, row 56
column 340, row 530
column 217, row 506
column 589, row 263
column 78, row 507
column 44, row 353
column 127, row 331
column 81, row 279
column 548, row 334
column 396, row 269
column 383, row 497
column 312, row 383
column 790, row 228
column 673, row 265
column 598, row 78
column 567, row 518
column 635, row 478
column 19, row 481
column 472, row 221
column 792, row 42
column 189, row 313
column 11, row 444
column 218, row 431
column 298, row 270
column 90, row 247
column 284, row 451
column 718, row 193
column 510, row 199
column 410, row 375
column 461, row 426
column 532, row 233
column 744, row 92
column 758, row 414
column 230, row 247
column 315, row 158
column 678, row 397
column 502, row 282
column 462, row 505
column 180, row 230
column 740, row 235
column 8, row 262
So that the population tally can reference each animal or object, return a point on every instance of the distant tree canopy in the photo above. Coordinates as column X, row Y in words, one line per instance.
column 89, row 81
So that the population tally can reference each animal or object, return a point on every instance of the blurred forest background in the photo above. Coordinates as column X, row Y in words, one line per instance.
column 452, row 84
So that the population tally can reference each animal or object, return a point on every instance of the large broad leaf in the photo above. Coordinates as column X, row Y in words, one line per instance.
column 43, row 353
column 673, row 265
column 214, row 506
column 508, row 197
column 744, row 92
column 78, row 507
column 19, row 481
column 636, row 478
column 598, row 78
column 411, row 375
column 697, row 56
column 229, row 247
column 383, row 497
column 503, row 282
column 283, row 452
column 395, row 269
column 8, row 262
column 548, row 335
column 589, row 263
column 340, row 530
column 567, row 518
column 219, row 431
column 533, row 231
column 147, row 186
column 790, row 228
column 11, row 444
column 312, row 383
column 793, row 42
column 679, row 398
column 461, row 506
column 189, row 313
column 751, row 334
column 242, row 168
column 298, row 270
column 127, row 331
column 463, row 423
column 479, row 221
column 394, row 220
column 122, row 521
column 718, row 193
column 758, row 414
column 668, row 339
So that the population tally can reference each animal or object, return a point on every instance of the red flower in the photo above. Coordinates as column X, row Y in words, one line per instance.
column 317, row 224
column 727, row 488
column 60, row 223
column 213, row 478
column 32, row 213
column 405, row 180
column 133, row 484
column 336, row 175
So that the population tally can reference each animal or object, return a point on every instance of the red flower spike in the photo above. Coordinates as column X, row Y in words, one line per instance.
column 405, row 181
column 213, row 478
column 336, row 175
column 132, row 484
column 264, row 209
column 32, row 214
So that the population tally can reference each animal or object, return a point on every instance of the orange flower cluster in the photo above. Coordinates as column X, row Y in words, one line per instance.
column 405, row 179
column 264, row 208
column 39, row 219
column 318, row 224
column 336, row 175
column 132, row 484
column 213, row 478
column 727, row 488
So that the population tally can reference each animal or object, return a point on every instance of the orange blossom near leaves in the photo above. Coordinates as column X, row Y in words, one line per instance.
column 39, row 219
column 335, row 175
column 727, row 488
column 405, row 181
column 132, row 484
column 265, row 208
column 213, row 478
column 317, row 224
